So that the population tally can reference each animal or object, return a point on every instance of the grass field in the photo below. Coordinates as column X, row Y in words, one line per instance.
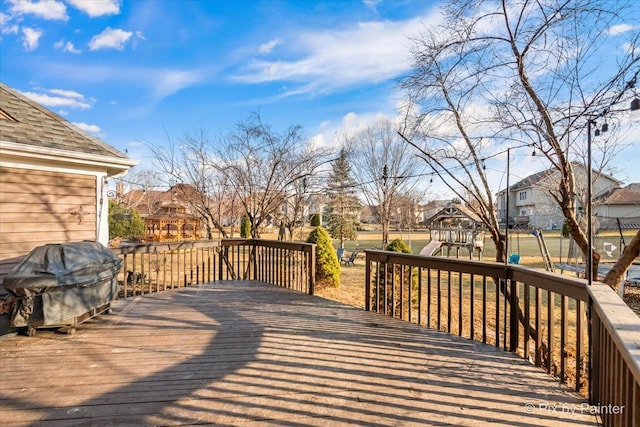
column 520, row 241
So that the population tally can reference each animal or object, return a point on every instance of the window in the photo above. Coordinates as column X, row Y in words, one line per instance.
column 522, row 195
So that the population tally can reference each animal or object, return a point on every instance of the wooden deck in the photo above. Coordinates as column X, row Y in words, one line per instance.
column 246, row 353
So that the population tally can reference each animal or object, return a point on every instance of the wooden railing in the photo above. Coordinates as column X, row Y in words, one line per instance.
column 286, row 264
column 543, row 317
column 153, row 267
column 157, row 267
column 615, row 359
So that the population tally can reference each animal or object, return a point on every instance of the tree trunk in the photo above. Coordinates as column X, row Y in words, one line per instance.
column 617, row 272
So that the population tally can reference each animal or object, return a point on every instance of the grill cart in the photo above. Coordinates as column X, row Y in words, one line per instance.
column 62, row 285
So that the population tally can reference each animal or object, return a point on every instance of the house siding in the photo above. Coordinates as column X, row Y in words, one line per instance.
column 541, row 208
column 36, row 207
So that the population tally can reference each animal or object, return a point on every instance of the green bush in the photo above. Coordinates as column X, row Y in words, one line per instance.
column 398, row 245
column 316, row 220
column 327, row 264
column 245, row 228
column 125, row 223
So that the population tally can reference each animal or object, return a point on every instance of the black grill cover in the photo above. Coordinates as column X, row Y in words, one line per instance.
column 57, row 282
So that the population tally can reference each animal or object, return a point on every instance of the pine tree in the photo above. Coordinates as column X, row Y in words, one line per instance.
column 343, row 205
column 245, row 228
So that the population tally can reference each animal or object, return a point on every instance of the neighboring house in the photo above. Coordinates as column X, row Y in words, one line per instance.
column 430, row 209
column 531, row 204
column 52, row 179
column 618, row 207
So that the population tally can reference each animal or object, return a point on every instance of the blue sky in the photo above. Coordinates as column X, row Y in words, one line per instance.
column 135, row 72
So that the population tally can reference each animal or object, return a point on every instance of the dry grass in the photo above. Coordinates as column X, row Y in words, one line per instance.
column 351, row 290
column 632, row 298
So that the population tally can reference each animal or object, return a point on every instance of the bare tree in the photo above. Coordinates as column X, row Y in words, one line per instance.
column 296, row 204
column 266, row 169
column 139, row 188
column 385, row 167
column 522, row 73
column 189, row 161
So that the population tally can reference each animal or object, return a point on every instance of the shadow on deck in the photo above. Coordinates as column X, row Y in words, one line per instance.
column 247, row 353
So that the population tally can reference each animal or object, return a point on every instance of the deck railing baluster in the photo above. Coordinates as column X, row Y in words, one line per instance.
column 428, row 297
column 460, row 295
column 449, row 299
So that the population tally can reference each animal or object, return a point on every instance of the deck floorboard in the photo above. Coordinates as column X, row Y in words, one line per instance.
column 247, row 353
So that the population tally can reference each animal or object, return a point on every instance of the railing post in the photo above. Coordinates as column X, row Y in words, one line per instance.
column 367, row 283
column 220, row 255
column 254, row 256
column 311, row 268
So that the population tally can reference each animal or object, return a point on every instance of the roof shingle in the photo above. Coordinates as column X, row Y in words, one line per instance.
column 23, row 121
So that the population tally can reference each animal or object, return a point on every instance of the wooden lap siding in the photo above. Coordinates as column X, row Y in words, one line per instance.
column 35, row 209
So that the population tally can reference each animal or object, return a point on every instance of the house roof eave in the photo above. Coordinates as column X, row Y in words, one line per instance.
column 114, row 165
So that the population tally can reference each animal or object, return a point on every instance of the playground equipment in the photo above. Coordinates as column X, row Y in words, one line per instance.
column 432, row 247
column 544, row 250
column 457, row 227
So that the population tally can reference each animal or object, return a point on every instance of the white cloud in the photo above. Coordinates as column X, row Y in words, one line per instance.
column 66, row 93
column 110, row 39
column 45, row 9
column 168, row 82
column 5, row 26
column 59, row 98
column 30, row 38
column 331, row 133
column 370, row 52
column 66, row 47
column 619, row 29
column 93, row 129
column 96, row 8
column 10, row 29
column 268, row 47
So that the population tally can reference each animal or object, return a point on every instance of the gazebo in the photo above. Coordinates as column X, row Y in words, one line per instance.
column 171, row 224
